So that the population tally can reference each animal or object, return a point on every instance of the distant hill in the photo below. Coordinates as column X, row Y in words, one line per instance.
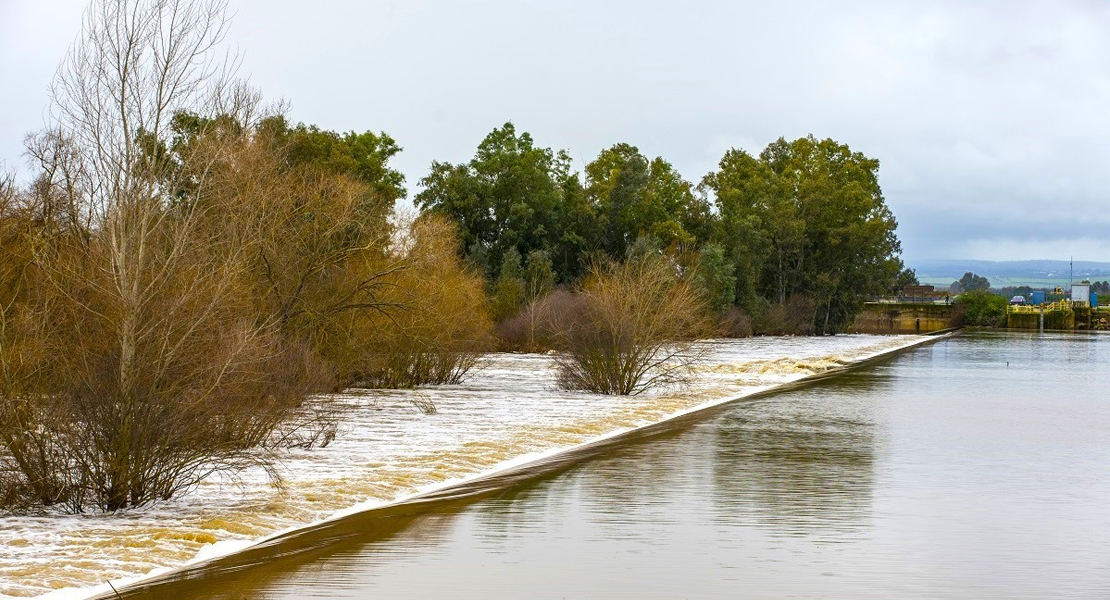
column 1036, row 273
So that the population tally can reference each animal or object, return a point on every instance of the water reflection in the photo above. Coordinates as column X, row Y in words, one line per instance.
column 804, row 467
column 943, row 473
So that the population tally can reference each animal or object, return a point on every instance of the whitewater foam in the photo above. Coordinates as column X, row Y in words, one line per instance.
column 507, row 416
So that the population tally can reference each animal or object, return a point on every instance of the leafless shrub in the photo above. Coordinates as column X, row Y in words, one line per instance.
column 794, row 317
column 314, row 425
column 168, row 390
column 535, row 327
column 514, row 333
column 443, row 329
column 424, row 404
column 736, row 324
column 15, row 497
column 33, row 454
column 319, row 243
column 633, row 329
column 168, row 303
column 134, row 357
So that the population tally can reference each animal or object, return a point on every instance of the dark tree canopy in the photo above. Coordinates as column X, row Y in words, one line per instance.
column 714, row 278
column 982, row 308
column 906, row 277
column 802, row 224
column 971, row 282
column 636, row 197
column 806, row 219
column 513, row 195
column 362, row 156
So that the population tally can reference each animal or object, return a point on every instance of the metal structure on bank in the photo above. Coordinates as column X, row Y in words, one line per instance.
column 1077, row 310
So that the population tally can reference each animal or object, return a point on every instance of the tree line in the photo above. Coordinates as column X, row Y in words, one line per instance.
column 188, row 270
column 793, row 239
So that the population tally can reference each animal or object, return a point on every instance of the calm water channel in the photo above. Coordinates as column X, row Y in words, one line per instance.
column 976, row 467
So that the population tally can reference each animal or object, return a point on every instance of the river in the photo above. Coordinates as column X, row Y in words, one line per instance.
column 508, row 412
column 974, row 467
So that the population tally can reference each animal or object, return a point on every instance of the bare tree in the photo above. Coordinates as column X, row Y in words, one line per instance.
column 154, row 369
column 385, row 303
column 442, row 326
column 135, row 65
column 175, row 284
column 318, row 245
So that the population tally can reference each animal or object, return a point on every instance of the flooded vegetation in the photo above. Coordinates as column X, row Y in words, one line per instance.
column 509, row 412
column 187, row 272
column 941, row 472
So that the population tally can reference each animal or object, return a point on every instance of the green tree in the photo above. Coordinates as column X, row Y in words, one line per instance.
column 539, row 280
column 982, row 308
column 539, row 277
column 714, row 279
column 635, row 197
column 646, row 247
column 906, row 277
column 510, row 288
column 510, row 196
column 579, row 230
column 364, row 157
column 971, row 282
column 807, row 218
column 758, row 227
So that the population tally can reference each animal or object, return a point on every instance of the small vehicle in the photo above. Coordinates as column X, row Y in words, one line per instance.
column 1017, row 300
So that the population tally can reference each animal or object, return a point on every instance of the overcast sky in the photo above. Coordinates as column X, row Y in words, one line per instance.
column 991, row 119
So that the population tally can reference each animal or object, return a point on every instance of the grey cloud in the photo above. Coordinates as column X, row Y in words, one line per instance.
column 990, row 118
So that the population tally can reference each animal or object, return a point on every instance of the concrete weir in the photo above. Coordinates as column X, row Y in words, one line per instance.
column 904, row 317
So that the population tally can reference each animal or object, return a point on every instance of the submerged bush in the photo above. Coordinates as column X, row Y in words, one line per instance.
column 794, row 317
column 134, row 375
column 136, row 359
column 441, row 326
column 537, row 327
column 736, row 324
column 632, row 328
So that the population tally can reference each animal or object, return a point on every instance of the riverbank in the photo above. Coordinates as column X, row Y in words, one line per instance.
column 505, row 416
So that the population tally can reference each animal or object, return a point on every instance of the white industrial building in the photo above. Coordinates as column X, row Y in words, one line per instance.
column 1081, row 294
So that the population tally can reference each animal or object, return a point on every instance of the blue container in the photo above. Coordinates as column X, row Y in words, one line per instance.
column 1094, row 299
column 1038, row 297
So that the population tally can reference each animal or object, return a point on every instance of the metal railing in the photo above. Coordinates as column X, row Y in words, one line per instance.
column 1059, row 305
column 911, row 300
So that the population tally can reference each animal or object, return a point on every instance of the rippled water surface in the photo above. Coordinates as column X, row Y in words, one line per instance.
column 508, row 411
column 976, row 467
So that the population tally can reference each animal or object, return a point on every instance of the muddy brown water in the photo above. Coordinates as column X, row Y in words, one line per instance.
column 975, row 467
